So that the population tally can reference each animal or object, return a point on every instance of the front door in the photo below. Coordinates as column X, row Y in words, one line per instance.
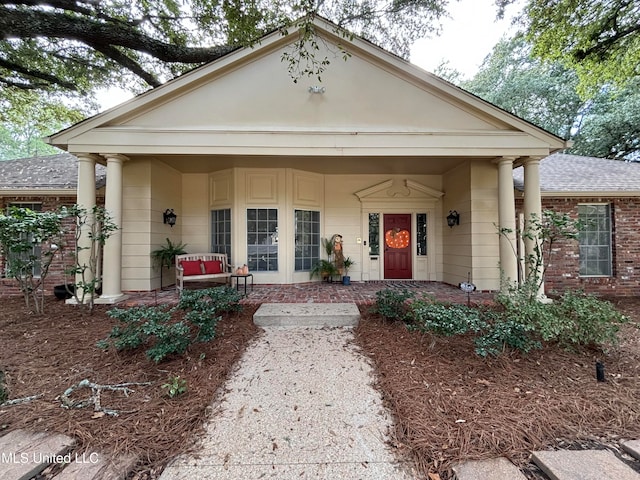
column 397, row 245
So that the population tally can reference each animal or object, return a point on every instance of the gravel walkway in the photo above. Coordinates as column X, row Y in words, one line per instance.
column 300, row 406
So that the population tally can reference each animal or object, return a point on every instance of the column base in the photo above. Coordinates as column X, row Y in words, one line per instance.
column 110, row 299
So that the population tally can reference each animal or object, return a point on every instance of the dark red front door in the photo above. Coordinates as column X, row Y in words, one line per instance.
column 397, row 242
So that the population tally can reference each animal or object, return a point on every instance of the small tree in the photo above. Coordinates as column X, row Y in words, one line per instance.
column 544, row 234
column 97, row 225
column 30, row 241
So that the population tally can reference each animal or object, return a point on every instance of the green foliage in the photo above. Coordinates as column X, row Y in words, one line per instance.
column 175, row 386
column 541, row 92
column 203, row 307
column 30, row 240
column 600, row 39
column 156, row 329
column 166, row 254
column 323, row 269
column 444, row 319
column 545, row 92
column 27, row 116
column 4, row 392
column 93, row 228
column 610, row 128
column 522, row 322
column 584, row 319
column 505, row 332
column 80, row 46
column 392, row 304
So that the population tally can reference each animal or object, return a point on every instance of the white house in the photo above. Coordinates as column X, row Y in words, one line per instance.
column 262, row 167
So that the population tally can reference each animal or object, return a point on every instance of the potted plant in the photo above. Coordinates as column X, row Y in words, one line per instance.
column 166, row 255
column 324, row 269
column 327, row 246
column 348, row 263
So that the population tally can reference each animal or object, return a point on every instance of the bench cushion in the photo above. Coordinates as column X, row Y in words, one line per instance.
column 191, row 267
column 212, row 267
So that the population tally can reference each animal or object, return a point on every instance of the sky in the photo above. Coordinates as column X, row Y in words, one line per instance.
column 467, row 37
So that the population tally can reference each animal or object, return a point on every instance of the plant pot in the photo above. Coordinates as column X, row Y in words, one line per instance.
column 346, row 280
column 61, row 292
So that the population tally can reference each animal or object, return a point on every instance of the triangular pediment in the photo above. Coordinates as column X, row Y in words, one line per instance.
column 372, row 103
column 398, row 189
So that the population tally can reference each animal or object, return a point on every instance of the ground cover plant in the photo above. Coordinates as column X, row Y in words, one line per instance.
column 157, row 328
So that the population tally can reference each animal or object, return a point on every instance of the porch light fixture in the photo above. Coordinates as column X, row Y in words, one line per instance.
column 169, row 217
column 317, row 89
column 453, row 218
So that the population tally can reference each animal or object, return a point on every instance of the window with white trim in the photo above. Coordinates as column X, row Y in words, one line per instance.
column 221, row 231
column 595, row 240
column 262, row 239
column 307, row 233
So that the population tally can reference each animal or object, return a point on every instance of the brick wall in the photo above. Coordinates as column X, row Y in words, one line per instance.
column 9, row 286
column 563, row 270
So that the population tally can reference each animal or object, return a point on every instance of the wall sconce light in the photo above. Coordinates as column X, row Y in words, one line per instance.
column 169, row 217
column 453, row 218
column 317, row 89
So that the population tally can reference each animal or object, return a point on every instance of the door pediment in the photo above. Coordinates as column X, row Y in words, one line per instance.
column 398, row 191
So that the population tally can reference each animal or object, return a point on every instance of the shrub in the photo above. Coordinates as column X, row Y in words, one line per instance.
column 445, row 319
column 392, row 304
column 584, row 319
column 156, row 328
column 505, row 332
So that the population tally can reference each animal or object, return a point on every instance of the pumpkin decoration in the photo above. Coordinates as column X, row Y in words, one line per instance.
column 396, row 238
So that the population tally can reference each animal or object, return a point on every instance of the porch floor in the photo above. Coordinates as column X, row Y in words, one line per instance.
column 359, row 293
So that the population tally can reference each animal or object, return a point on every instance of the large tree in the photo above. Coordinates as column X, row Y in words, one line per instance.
column 611, row 126
column 541, row 92
column 545, row 93
column 599, row 39
column 79, row 45
column 27, row 116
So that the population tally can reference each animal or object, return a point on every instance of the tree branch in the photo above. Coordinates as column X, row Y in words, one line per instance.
column 32, row 23
column 47, row 77
column 128, row 63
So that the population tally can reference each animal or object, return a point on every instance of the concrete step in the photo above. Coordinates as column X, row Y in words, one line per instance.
column 307, row 315
column 583, row 465
column 26, row 454
column 491, row 469
column 632, row 447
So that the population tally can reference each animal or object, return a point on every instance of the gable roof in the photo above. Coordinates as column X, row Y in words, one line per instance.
column 244, row 103
column 48, row 174
column 573, row 175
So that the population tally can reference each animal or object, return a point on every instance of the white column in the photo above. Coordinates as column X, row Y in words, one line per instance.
column 532, row 213
column 86, row 200
column 507, row 221
column 112, row 252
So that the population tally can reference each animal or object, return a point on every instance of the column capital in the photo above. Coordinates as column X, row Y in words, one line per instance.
column 529, row 160
column 87, row 157
column 115, row 156
column 504, row 160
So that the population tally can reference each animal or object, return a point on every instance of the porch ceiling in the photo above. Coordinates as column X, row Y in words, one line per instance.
column 325, row 165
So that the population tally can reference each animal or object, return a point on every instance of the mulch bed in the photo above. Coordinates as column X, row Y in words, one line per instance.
column 449, row 404
column 48, row 354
